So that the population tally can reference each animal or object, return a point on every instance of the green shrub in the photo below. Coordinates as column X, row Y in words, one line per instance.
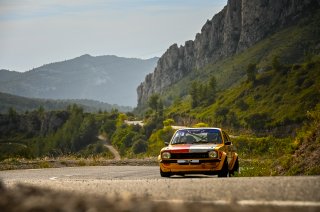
column 201, row 124
column 277, row 98
column 257, row 121
column 242, row 105
column 168, row 122
column 264, row 147
column 139, row 146
column 44, row 164
column 157, row 140
column 255, row 167
column 81, row 163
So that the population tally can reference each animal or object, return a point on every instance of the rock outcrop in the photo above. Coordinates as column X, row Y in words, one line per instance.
column 240, row 25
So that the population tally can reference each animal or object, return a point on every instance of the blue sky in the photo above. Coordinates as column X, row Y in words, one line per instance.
column 37, row 32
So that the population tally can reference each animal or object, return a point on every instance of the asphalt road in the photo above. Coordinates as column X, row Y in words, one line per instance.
column 145, row 181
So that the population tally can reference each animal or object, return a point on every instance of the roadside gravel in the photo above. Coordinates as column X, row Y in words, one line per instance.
column 73, row 162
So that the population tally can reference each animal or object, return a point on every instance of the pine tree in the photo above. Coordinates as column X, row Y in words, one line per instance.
column 194, row 92
column 153, row 102
column 212, row 90
column 251, row 72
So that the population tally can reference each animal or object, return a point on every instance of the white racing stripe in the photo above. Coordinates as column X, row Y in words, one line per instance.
column 201, row 148
column 249, row 203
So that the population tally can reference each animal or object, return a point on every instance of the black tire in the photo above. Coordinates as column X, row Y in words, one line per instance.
column 165, row 174
column 224, row 172
column 235, row 167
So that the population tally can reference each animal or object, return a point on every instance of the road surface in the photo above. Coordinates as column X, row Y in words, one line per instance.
column 302, row 192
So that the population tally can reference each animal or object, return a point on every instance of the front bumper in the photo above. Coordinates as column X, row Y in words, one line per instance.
column 190, row 166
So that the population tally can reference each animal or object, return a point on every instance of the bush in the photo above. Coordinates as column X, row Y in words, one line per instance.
column 168, row 122
column 277, row 98
column 276, row 65
column 251, row 72
column 264, row 147
column 256, row 167
column 242, row 105
column 139, row 146
column 222, row 111
column 257, row 121
column 157, row 140
column 201, row 124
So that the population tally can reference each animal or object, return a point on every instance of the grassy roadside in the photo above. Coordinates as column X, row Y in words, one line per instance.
column 258, row 155
column 13, row 163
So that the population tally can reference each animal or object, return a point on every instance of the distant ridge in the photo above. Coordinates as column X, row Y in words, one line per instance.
column 23, row 104
column 109, row 79
column 7, row 75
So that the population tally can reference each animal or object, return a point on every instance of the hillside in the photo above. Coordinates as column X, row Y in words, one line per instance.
column 108, row 79
column 256, row 30
column 7, row 75
column 22, row 104
column 279, row 99
column 276, row 103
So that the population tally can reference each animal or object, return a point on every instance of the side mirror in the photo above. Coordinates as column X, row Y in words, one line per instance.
column 227, row 143
column 166, row 143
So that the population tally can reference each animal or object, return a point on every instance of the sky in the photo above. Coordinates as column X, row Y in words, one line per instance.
column 38, row 32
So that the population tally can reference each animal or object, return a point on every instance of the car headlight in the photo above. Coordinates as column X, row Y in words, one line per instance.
column 165, row 155
column 213, row 154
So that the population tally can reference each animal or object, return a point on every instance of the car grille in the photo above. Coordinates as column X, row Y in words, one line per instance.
column 189, row 155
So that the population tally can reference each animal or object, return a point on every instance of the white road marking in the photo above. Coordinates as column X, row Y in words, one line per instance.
column 53, row 178
column 29, row 170
column 279, row 203
column 249, row 203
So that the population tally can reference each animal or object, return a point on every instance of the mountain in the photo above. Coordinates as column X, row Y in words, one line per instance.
column 22, row 104
column 7, row 75
column 241, row 25
column 109, row 79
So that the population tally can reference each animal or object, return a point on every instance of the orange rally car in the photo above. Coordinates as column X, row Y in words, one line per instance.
column 199, row 151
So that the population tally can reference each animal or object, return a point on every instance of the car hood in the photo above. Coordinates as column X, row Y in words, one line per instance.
column 191, row 148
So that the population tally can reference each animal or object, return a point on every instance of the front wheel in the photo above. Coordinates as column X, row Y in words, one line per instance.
column 225, row 170
column 164, row 174
column 235, row 167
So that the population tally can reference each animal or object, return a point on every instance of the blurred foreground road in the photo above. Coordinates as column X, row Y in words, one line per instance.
column 302, row 192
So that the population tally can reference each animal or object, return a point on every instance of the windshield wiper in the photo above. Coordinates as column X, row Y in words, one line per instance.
column 202, row 141
column 179, row 143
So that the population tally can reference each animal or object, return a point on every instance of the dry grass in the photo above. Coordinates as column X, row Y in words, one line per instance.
column 13, row 163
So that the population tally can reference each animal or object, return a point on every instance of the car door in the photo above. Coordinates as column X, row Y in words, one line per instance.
column 229, row 148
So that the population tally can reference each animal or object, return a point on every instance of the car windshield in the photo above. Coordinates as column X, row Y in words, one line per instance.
column 197, row 136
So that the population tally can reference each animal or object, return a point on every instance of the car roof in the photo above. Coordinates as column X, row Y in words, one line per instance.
column 197, row 128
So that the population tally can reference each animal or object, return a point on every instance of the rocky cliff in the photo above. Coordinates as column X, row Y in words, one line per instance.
column 240, row 25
